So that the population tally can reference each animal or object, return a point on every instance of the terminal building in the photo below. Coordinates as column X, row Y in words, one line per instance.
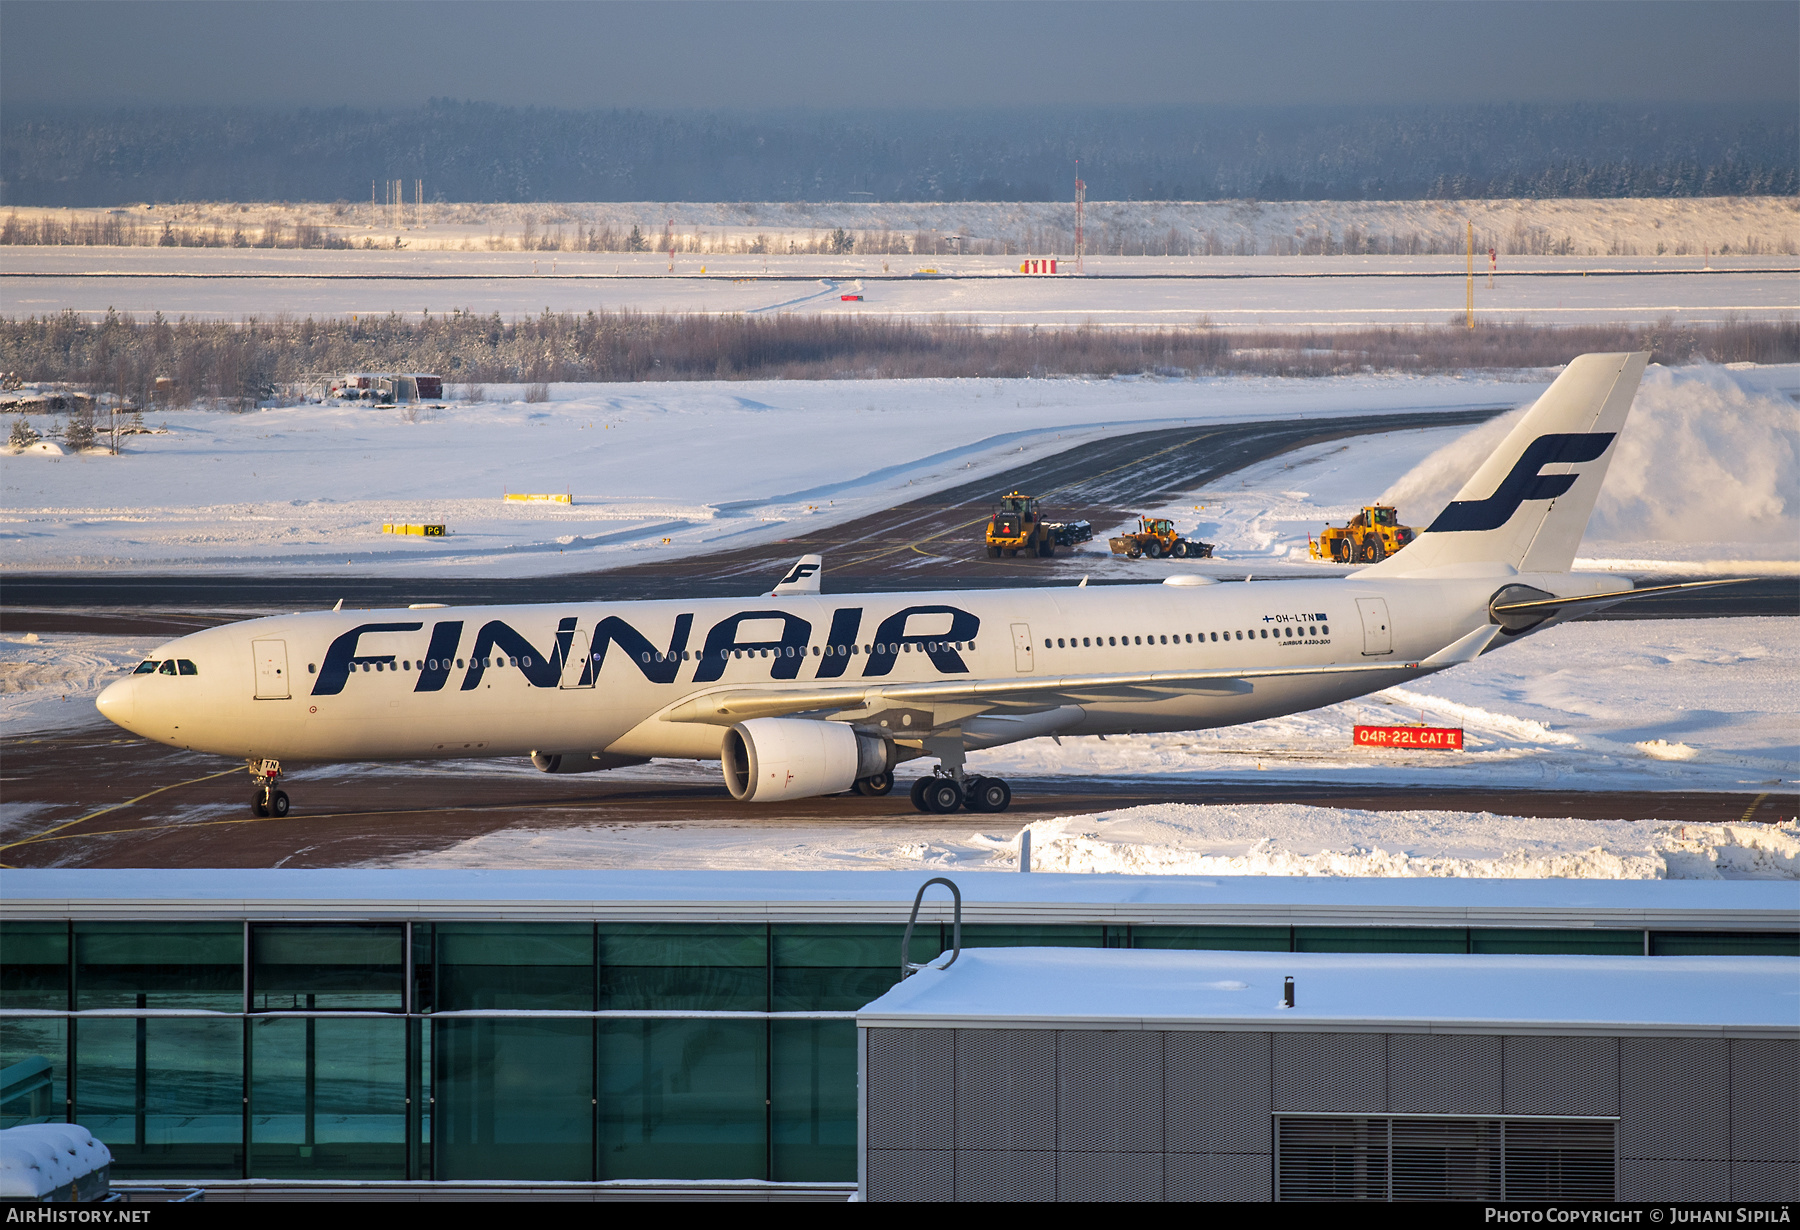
column 608, row 1034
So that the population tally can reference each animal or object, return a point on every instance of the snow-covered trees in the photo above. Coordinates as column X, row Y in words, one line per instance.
column 78, row 433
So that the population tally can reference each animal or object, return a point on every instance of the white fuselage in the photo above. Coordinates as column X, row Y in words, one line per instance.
column 597, row 677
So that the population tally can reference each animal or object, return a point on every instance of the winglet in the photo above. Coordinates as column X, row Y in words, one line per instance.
column 1467, row 649
column 802, row 578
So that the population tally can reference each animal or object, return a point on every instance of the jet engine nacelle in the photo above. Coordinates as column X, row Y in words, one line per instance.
column 582, row 762
column 770, row 759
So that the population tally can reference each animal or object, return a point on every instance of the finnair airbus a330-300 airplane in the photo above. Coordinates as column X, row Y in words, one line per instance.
column 800, row 694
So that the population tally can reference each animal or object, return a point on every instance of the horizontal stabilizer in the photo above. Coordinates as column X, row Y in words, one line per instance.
column 1546, row 606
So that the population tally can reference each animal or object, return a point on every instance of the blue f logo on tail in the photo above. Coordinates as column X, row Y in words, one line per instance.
column 1524, row 482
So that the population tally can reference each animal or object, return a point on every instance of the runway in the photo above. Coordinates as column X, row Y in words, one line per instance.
column 95, row 797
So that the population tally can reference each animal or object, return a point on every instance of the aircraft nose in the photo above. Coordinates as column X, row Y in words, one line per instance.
column 118, row 702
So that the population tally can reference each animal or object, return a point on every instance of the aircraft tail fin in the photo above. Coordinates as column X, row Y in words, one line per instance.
column 802, row 578
column 1528, row 505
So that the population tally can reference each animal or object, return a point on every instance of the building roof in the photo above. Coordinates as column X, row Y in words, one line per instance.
column 886, row 896
column 1135, row 988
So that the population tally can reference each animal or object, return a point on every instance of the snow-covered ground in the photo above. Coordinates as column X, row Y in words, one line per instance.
column 1708, row 473
column 49, row 681
column 653, row 468
column 1259, row 292
column 1281, row 839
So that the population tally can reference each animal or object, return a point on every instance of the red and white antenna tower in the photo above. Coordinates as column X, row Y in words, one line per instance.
column 1080, row 208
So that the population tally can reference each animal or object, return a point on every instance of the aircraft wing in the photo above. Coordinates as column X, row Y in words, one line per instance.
column 968, row 697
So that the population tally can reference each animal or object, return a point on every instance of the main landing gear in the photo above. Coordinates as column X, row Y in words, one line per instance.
column 876, row 786
column 267, row 801
column 940, row 794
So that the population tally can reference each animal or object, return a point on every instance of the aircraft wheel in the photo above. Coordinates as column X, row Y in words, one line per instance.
column 876, row 786
column 918, row 794
column 987, row 795
column 278, row 804
column 257, row 806
column 942, row 796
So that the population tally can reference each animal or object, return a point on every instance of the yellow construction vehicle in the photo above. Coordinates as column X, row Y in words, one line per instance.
column 1156, row 537
column 1018, row 525
column 1372, row 535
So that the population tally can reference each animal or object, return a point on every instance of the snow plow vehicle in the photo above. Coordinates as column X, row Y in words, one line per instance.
column 1156, row 537
column 1018, row 525
column 1372, row 535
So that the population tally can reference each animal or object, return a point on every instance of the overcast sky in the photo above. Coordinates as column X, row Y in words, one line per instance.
column 828, row 55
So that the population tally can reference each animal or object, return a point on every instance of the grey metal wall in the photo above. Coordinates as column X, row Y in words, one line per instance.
column 1041, row 1114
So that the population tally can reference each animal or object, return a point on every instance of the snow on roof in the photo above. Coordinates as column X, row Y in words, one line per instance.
column 987, row 896
column 1135, row 988
column 38, row 1158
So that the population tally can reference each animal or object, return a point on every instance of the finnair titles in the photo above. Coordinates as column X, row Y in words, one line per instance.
column 800, row 694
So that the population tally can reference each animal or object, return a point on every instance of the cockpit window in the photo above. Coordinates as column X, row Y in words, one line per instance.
column 147, row 667
column 187, row 667
column 168, row 668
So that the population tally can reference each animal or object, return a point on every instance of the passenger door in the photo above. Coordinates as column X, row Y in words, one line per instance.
column 1022, row 648
column 271, row 669
column 1378, row 638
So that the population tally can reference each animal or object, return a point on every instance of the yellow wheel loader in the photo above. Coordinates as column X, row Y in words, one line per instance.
column 1372, row 535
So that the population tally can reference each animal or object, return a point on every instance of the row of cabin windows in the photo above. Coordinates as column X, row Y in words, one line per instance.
column 827, row 651
column 430, row 664
column 685, row 655
column 1189, row 638
column 173, row 666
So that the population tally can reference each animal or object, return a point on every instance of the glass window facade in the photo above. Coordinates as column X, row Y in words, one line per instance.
column 165, row 1094
column 161, row 965
column 525, row 1050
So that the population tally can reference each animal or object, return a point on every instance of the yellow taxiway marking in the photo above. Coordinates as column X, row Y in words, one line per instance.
column 1754, row 804
column 49, row 833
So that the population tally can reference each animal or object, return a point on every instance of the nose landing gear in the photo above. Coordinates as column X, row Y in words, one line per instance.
column 268, row 800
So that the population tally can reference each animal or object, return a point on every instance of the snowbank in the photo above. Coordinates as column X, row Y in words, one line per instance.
column 1287, row 840
column 1706, row 457
column 1276, row 839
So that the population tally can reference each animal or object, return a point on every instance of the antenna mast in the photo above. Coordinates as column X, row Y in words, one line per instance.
column 1080, row 208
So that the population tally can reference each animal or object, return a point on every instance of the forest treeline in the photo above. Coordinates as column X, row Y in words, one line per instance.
column 180, row 362
column 63, row 156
